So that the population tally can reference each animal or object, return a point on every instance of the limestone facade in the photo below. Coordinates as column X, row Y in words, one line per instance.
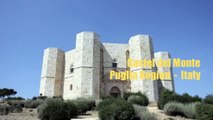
column 84, row 71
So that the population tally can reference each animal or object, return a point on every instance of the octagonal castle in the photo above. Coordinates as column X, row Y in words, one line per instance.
column 84, row 71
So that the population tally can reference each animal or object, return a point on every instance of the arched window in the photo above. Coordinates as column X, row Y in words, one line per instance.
column 114, row 63
column 71, row 69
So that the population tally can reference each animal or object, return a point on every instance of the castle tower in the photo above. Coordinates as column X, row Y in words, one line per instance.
column 87, row 65
column 168, row 84
column 52, row 73
column 141, row 48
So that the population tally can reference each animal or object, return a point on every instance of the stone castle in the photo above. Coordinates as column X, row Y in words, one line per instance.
column 84, row 71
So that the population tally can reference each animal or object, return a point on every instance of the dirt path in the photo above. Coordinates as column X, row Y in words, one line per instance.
column 26, row 114
column 31, row 114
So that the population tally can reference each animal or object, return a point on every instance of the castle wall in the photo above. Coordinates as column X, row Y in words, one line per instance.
column 141, row 48
column 110, row 52
column 71, row 85
column 110, row 84
column 115, row 51
column 52, row 72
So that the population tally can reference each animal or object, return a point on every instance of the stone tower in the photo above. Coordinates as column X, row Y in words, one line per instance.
column 168, row 84
column 88, row 63
column 141, row 48
column 52, row 72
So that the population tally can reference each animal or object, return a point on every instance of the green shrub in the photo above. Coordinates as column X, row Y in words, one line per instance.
column 164, row 98
column 42, row 97
column 16, row 109
column 170, row 96
column 190, row 110
column 208, row 99
column 71, row 109
column 186, row 98
column 53, row 109
column 106, row 102
column 14, row 98
column 16, row 102
column 58, row 97
column 204, row 111
column 139, row 100
column 174, row 109
column 33, row 103
column 143, row 114
column 128, row 94
column 89, row 101
column 16, row 105
column 56, row 109
column 106, row 97
column 118, row 110
column 34, row 98
column 185, row 110
column 4, row 109
column 196, row 98
column 82, row 106
column 43, row 114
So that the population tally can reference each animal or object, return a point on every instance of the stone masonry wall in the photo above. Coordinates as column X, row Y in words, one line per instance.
column 118, row 52
column 88, row 63
column 52, row 72
column 71, row 85
column 168, row 84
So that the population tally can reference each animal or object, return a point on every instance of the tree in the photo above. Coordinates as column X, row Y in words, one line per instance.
column 7, row 92
column 11, row 92
column 3, row 93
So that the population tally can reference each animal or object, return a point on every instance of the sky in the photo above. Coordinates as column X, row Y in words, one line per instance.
column 182, row 27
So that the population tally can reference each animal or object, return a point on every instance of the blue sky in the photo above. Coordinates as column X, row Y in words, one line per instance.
column 27, row 27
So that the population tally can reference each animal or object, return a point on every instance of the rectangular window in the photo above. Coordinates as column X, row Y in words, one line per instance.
column 71, row 87
column 114, row 65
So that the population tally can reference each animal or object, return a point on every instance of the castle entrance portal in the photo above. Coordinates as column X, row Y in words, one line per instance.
column 115, row 91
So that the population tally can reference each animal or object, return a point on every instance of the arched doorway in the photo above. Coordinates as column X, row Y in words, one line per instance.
column 115, row 91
